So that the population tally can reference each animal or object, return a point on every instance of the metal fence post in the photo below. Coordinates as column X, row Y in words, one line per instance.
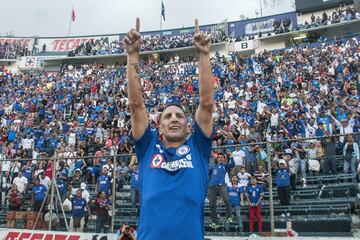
column 271, row 199
column 113, row 195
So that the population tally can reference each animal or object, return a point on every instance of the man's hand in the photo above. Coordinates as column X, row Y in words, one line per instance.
column 132, row 40
column 201, row 40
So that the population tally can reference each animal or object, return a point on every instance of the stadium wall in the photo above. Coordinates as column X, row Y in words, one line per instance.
column 54, row 63
column 17, row 234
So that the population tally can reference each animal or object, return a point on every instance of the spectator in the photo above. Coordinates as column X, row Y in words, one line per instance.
column 254, row 196
column 283, row 182
column 21, row 182
column 77, row 220
column 244, row 178
column 39, row 192
column 314, row 164
column 292, row 163
column 44, row 180
column 134, row 184
column 217, row 186
column 239, row 156
column 234, row 196
column 300, row 154
column 351, row 155
column 103, row 182
column 262, row 177
column 76, row 180
column 127, row 232
column 102, row 216
column 14, row 198
column 55, row 221
column 5, row 186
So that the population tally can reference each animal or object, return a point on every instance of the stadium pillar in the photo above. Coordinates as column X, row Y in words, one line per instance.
column 271, row 199
column 113, row 195
column 52, row 192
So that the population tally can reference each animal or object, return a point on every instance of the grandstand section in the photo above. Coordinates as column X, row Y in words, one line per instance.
column 286, row 108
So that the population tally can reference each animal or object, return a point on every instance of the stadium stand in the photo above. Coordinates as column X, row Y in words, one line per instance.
column 297, row 98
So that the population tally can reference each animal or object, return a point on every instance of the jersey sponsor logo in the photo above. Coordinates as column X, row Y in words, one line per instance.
column 157, row 160
column 182, row 150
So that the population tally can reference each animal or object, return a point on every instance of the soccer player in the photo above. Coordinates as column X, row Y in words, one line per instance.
column 173, row 171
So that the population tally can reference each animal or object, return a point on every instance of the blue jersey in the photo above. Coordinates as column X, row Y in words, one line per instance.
column 234, row 195
column 79, row 163
column 254, row 193
column 218, row 172
column 173, row 186
column 134, row 179
column 282, row 177
column 78, row 207
column 27, row 172
column 104, row 184
column 61, row 185
column 39, row 192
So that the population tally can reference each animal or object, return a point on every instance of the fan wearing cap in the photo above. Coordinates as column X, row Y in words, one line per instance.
column 282, row 178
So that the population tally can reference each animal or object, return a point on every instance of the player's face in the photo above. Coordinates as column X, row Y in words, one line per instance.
column 173, row 124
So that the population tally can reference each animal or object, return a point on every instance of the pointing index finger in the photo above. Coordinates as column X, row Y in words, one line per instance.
column 137, row 26
column 197, row 28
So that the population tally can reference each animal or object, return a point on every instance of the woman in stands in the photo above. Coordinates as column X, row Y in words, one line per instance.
column 14, row 198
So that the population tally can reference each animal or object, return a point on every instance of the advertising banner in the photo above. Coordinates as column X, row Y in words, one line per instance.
column 71, row 43
column 25, row 42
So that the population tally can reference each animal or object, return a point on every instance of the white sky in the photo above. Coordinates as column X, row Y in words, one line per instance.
column 52, row 17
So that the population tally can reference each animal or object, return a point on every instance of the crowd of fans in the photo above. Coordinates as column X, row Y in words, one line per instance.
column 339, row 15
column 81, row 116
column 151, row 42
column 13, row 50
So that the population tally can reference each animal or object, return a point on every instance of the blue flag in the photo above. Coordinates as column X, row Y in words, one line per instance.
column 163, row 10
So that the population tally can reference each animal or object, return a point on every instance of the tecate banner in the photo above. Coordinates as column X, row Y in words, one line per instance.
column 71, row 43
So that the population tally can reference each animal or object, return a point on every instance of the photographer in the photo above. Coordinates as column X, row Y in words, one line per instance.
column 127, row 232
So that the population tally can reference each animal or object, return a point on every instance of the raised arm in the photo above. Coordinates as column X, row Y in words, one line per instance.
column 202, row 43
column 139, row 118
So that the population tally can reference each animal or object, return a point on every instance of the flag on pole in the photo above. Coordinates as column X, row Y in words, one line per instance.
column 73, row 16
column 257, row 68
column 162, row 10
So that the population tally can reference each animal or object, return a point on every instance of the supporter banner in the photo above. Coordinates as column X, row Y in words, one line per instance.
column 25, row 42
column 257, row 25
column 70, row 43
column 29, row 63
